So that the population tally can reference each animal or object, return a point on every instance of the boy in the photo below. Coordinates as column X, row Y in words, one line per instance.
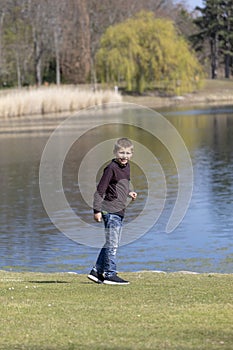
column 109, row 204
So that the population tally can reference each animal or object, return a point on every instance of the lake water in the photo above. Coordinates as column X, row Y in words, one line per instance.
column 202, row 242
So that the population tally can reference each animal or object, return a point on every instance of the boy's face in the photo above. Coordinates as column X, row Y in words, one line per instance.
column 123, row 155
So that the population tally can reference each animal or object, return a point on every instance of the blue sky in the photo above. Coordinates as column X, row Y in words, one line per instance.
column 190, row 4
column 193, row 3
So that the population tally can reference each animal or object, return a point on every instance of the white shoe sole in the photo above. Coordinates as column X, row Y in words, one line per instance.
column 94, row 279
column 115, row 283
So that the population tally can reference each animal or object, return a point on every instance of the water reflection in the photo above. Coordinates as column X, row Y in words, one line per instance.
column 202, row 242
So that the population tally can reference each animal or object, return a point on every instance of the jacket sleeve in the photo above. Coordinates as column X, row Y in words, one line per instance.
column 101, row 189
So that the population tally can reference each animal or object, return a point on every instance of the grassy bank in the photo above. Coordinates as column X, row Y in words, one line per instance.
column 52, row 99
column 214, row 92
column 156, row 311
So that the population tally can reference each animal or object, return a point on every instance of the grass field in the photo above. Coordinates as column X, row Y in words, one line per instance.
column 156, row 311
column 213, row 92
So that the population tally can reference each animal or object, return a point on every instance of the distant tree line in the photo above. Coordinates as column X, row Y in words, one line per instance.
column 60, row 41
column 56, row 41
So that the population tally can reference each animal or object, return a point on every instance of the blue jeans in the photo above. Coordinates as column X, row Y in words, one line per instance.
column 106, row 262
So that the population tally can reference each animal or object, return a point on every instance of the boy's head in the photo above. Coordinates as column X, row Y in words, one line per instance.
column 123, row 150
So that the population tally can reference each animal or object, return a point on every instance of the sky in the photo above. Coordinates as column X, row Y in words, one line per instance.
column 193, row 3
column 190, row 4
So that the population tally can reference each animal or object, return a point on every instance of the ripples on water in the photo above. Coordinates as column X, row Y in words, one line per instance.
column 203, row 242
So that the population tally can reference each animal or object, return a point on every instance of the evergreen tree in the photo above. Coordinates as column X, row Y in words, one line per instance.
column 226, row 34
column 209, row 24
column 215, row 26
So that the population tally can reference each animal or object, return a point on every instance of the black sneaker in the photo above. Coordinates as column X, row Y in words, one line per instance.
column 114, row 280
column 95, row 276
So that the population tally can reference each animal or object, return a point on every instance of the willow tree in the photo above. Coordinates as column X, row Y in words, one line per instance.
column 144, row 51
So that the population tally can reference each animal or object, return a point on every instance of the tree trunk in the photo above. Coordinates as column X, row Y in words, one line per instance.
column 57, row 54
column 227, row 66
column 18, row 70
column 93, row 75
column 227, row 57
column 1, row 26
column 214, row 57
column 37, row 59
column 38, row 68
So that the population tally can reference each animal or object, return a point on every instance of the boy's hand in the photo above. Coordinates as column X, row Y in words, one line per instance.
column 133, row 195
column 98, row 217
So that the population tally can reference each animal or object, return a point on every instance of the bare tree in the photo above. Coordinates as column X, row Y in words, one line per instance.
column 14, row 34
column 41, row 34
column 2, row 15
column 56, row 13
column 75, row 58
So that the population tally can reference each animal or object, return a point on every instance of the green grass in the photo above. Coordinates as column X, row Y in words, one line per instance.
column 217, row 85
column 156, row 311
column 213, row 92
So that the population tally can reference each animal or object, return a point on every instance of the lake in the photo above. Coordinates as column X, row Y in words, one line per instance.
column 31, row 239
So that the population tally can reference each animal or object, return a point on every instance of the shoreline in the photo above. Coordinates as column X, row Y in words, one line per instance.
column 42, row 125
column 70, row 273
column 133, row 273
column 192, row 100
column 214, row 93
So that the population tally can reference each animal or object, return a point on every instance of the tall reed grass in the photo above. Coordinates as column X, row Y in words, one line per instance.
column 52, row 99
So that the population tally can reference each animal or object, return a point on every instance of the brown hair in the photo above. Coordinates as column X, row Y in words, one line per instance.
column 122, row 143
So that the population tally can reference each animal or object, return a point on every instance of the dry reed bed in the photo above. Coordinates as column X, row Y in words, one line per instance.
column 47, row 100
